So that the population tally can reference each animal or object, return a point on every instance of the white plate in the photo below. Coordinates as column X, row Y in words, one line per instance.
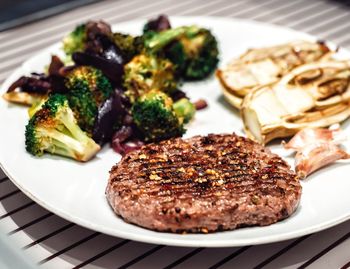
column 75, row 191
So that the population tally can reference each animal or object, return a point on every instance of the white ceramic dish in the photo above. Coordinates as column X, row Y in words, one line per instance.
column 75, row 191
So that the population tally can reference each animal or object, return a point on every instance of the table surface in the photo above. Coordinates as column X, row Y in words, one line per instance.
column 53, row 242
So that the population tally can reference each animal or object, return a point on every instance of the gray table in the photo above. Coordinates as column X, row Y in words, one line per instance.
column 53, row 242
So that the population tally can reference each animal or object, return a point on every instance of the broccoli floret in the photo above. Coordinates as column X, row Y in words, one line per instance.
column 54, row 129
column 88, row 89
column 193, row 50
column 156, row 41
column 145, row 72
column 184, row 110
column 128, row 44
column 75, row 41
column 154, row 116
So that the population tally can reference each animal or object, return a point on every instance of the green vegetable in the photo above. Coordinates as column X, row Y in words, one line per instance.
column 192, row 49
column 75, row 41
column 128, row 44
column 154, row 116
column 88, row 89
column 184, row 109
column 155, row 41
column 54, row 129
column 146, row 72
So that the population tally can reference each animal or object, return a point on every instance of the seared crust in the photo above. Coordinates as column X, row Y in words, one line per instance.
column 203, row 184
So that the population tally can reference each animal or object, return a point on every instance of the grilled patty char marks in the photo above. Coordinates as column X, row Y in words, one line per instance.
column 203, row 184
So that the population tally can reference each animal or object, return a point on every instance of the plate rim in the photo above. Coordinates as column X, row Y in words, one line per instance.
column 180, row 242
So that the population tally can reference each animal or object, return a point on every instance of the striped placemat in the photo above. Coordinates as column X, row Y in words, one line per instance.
column 52, row 242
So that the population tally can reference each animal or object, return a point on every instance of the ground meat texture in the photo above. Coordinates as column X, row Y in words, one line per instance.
column 203, row 184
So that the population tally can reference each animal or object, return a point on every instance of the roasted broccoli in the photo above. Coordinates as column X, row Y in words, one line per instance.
column 75, row 40
column 145, row 72
column 88, row 89
column 54, row 129
column 155, row 117
column 128, row 44
column 192, row 49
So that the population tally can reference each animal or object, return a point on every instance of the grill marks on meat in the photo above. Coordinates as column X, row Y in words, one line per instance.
column 203, row 184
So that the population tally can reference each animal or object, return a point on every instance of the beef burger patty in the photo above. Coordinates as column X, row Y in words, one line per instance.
column 203, row 184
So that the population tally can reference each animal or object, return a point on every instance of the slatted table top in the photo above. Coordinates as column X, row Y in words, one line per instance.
column 53, row 242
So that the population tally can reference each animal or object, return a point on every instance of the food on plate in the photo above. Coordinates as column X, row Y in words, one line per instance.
column 31, row 90
column 312, row 95
column 316, row 148
column 158, row 118
column 36, row 106
column 185, row 110
column 54, row 129
column 75, row 40
column 88, row 89
column 92, row 35
column 316, row 156
column 203, row 184
column 261, row 67
column 315, row 135
column 200, row 104
column 129, row 45
column 192, row 49
column 147, row 72
column 121, row 88
column 157, row 24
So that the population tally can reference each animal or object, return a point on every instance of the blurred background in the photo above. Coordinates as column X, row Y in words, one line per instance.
column 25, row 11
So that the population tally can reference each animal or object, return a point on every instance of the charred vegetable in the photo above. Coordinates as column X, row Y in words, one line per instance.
column 109, row 118
column 88, row 89
column 111, row 69
column 129, row 45
column 114, row 87
column 35, row 88
column 85, row 35
column 312, row 95
column 147, row 72
column 95, row 40
column 104, row 47
column 158, row 24
column 192, row 49
column 260, row 67
column 156, row 117
column 75, row 40
column 28, row 90
column 54, row 129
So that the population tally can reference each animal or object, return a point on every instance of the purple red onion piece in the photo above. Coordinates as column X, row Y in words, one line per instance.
column 55, row 65
column 110, row 114
column 200, row 104
column 112, row 70
column 121, row 143
column 34, row 84
column 94, row 28
column 158, row 24
column 177, row 95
